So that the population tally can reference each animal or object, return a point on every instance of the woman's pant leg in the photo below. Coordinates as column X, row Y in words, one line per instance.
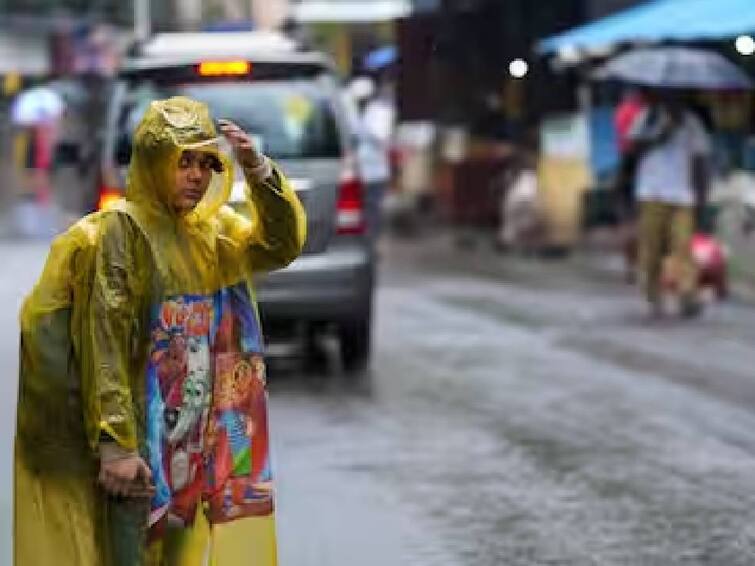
column 653, row 225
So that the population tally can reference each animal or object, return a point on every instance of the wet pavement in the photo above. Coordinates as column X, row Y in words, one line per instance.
column 20, row 263
column 518, row 412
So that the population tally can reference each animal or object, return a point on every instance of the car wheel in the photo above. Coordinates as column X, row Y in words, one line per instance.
column 355, row 337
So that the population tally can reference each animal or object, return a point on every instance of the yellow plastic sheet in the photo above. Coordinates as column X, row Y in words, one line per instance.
column 142, row 329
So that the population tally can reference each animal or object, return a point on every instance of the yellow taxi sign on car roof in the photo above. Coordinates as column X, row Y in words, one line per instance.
column 223, row 68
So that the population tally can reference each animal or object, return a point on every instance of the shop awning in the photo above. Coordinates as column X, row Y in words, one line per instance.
column 659, row 20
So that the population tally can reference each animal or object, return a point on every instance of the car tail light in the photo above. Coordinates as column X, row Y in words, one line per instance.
column 108, row 197
column 350, row 208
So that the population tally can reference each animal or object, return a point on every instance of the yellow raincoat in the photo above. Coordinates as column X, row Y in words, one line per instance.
column 142, row 330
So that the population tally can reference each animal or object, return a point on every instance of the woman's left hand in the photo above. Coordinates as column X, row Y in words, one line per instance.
column 243, row 146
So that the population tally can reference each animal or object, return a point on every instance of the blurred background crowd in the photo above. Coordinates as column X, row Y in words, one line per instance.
column 485, row 116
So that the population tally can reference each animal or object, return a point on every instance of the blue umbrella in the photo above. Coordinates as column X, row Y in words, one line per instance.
column 381, row 58
column 675, row 67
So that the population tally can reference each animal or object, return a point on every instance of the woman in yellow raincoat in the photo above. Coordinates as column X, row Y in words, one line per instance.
column 142, row 426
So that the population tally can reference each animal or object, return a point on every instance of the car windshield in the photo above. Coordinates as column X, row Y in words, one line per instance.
column 288, row 119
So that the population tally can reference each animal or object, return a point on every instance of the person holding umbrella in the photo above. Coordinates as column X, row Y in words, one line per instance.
column 671, row 186
column 671, row 148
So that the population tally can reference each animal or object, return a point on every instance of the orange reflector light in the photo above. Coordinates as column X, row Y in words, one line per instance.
column 220, row 68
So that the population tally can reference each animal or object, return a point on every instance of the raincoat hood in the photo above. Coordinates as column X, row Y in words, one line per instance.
column 168, row 128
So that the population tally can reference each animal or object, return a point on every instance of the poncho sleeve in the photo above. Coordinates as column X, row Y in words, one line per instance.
column 114, row 333
column 275, row 232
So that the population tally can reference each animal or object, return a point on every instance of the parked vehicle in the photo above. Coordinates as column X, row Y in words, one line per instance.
column 290, row 101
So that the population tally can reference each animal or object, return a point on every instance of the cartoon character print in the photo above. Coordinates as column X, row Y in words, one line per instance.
column 207, row 426
column 195, row 394
column 184, row 433
column 199, row 317
column 181, row 360
column 171, row 365
column 184, row 440
column 238, row 439
column 190, row 315
column 238, row 471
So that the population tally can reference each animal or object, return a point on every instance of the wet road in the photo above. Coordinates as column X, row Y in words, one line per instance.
column 517, row 413
column 19, row 266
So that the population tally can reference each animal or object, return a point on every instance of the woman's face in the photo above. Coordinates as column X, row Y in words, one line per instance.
column 192, row 179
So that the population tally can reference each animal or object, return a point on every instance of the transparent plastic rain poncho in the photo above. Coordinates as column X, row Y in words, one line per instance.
column 142, row 330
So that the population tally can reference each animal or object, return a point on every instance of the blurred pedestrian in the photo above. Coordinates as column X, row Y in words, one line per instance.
column 37, row 111
column 521, row 225
column 376, row 124
column 142, row 427
column 671, row 186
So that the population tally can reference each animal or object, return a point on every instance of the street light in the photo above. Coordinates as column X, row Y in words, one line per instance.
column 745, row 45
column 518, row 68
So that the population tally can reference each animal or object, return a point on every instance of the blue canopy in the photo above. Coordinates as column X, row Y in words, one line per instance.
column 661, row 20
